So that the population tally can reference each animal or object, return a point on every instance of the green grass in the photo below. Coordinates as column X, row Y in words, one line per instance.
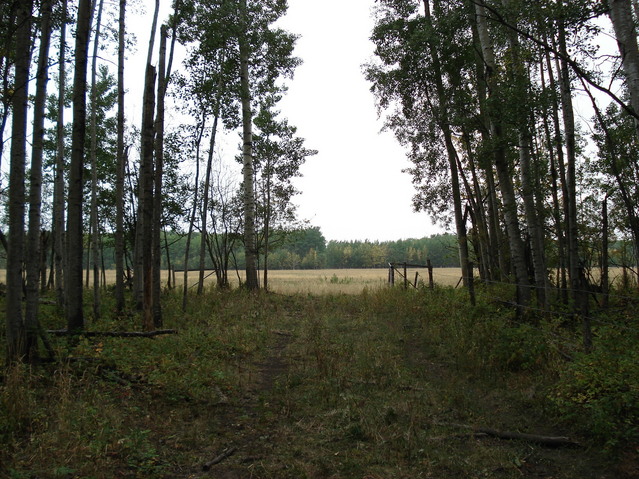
column 371, row 385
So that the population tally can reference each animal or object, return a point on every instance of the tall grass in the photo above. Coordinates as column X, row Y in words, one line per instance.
column 374, row 384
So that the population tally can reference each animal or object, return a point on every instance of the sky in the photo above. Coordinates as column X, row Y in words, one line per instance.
column 354, row 188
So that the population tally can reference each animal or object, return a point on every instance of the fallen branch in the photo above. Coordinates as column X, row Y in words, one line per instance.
column 114, row 334
column 226, row 453
column 550, row 441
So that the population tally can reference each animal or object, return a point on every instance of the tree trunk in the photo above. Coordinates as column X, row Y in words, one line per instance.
column 205, row 203
column 75, row 313
column 58, row 188
column 159, row 171
column 501, row 162
column 462, row 239
column 144, row 232
column 250, row 246
column 121, row 158
column 570, row 200
column 17, row 340
column 34, row 237
column 623, row 22
column 95, row 232
column 558, row 171
column 521, row 83
column 198, row 141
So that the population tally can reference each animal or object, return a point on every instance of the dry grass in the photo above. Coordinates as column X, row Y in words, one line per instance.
column 318, row 281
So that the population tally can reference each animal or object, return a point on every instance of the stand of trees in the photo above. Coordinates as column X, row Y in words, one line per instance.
column 119, row 190
column 481, row 92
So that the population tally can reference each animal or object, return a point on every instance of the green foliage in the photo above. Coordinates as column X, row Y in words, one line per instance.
column 519, row 348
column 600, row 391
column 372, row 384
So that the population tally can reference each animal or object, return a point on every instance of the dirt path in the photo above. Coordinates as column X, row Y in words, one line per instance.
column 249, row 424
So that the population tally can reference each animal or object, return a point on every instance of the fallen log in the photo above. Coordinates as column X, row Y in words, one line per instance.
column 226, row 453
column 113, row 334
column 549, row 441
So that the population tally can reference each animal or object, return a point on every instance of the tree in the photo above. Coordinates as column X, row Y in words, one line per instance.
column 34, row 252
column 121, row 159
column 623, row 22
column 95, row 230
column 250, row 240
column 237, row 40
column 279, row 155
column 75, row 313
column 19, row 340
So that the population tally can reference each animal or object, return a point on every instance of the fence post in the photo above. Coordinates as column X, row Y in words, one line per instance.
column 405, row 275
column 431, row 284
column 471, row 283
column 583, row 309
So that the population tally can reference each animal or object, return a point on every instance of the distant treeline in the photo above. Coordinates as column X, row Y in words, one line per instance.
column 308, row 249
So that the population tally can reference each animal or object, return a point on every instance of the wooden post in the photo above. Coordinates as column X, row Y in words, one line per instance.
column 392, row 274
column 604, row 253
column 471, row 283
column 405, row 275
column 431, row 284
column 583, row 309
column 416, row 276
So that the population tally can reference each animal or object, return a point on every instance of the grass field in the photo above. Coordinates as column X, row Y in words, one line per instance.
column 379, row 385
column 317, row 281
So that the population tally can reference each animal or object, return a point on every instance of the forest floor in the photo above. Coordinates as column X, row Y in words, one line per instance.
column 384, row 384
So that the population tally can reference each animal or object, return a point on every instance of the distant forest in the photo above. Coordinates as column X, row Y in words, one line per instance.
column 308, row 249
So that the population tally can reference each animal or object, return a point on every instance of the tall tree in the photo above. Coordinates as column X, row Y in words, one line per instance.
column 250, row 234
column 279, row 155
column 59, row 186
column 75, row 313
column 34, row 250
column 121, row 159
column 499, row 144
column 17, row 340
column 623, row 23
column 95, row 230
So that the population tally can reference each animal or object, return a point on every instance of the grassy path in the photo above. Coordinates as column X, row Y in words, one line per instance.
column 369, row 386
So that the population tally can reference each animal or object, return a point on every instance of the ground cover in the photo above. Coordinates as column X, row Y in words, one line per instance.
column 386, row 383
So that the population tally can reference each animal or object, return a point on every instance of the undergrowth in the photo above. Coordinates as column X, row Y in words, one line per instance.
column 388, row 383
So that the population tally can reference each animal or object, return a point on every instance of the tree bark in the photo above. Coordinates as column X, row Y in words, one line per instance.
column 570, row 191
column 501, row 162
column 623, row 23
column 34, row 237
column 250, row 246
column 17, row 340
column 159, row 171
column 75, row 313
column 95, row 233
column 462, row 239
column 144, row 231
column 521, row 83
column 198, row 141
column 121, row 158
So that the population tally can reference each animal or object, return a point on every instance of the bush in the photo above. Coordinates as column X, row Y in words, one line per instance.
column 519, row 348
column 600, row 391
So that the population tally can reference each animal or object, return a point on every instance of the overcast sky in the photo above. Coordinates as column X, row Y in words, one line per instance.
column 354, row 188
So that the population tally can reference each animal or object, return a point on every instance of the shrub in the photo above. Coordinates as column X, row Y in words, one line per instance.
column 600, row 391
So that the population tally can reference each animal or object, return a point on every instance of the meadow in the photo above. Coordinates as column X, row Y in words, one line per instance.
column 333, row 281
column 362, row 381
column 315, row 281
